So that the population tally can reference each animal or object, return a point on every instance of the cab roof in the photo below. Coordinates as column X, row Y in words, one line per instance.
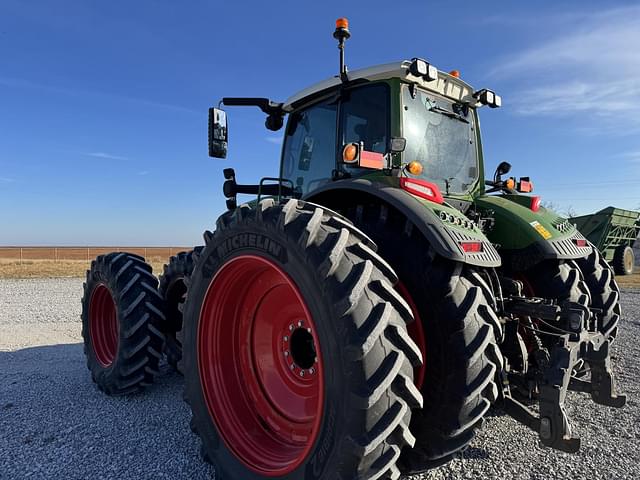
column 445, row 84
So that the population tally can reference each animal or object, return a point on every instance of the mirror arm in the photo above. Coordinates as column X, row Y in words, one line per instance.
column 274, row 110
column 264, row 104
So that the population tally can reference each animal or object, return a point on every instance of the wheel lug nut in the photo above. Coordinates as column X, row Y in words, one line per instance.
column 286, row 338
column 309, row 330
column 302, row 373
column 291, row 328
column 293, row 367
column 312, row 371
column 286, row 354
column 299, row 323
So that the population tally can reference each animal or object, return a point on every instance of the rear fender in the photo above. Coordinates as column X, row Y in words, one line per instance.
column 525, row 237
column 443, row 227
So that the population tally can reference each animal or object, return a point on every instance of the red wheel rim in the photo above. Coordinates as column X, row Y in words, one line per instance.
column 416, row 332
column 103, row 325
column 260, row 365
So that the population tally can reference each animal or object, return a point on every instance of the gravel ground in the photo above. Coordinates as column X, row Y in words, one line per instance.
column 55, row 424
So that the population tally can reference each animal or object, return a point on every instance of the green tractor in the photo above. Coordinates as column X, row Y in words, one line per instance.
column 358, row 318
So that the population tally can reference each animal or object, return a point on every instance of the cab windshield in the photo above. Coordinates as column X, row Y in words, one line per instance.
column 441, row 135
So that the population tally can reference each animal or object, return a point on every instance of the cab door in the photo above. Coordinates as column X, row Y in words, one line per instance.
column 309, row 152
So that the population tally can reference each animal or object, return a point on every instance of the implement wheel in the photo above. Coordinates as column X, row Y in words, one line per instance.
column 623, row 260
column 121, row 322
column 297, row 360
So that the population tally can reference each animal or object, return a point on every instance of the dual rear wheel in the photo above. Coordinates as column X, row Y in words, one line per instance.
column 173, row 289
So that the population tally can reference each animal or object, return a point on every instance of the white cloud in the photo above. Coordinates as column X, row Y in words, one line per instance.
column 143, row 172
column 591, row 71
column 274, row 140
column 7, row 180
column 104, row 155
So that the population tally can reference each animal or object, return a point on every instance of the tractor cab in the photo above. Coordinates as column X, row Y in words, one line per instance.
column 385, row 120
column 401, row 120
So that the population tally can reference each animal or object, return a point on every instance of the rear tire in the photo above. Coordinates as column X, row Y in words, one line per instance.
column 623, row 260
column 605, row 293
column 362, row 392
column 559, row 281
column 463, row 362
column 121, row 323
column 174, row 292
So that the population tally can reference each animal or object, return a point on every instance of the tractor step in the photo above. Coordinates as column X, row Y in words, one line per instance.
column 576, row 347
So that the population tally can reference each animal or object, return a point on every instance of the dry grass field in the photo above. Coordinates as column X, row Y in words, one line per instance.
column 632, row 281
column 53, row 269
column 83, row 253
column 52, row 262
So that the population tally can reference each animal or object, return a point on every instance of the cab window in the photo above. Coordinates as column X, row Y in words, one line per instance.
column 309, row 154
column 365, row 117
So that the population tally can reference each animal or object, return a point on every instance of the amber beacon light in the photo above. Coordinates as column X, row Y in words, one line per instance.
column 342, row 23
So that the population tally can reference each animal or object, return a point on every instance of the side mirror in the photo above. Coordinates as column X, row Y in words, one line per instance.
column 218, row 134
column 503, row 169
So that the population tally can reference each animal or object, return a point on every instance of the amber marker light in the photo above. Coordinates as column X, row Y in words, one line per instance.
column 510, row 183
column 455, row 73
column 349, row 153
column 414, row 168
column 342, row 23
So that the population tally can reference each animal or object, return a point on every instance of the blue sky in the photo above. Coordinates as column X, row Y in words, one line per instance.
column 103, row 104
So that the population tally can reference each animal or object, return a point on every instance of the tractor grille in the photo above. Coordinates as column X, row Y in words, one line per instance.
column 489, row 254
column 562, row 225
column 567, row 248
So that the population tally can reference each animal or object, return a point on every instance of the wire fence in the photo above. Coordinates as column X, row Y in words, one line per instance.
column 59, row 254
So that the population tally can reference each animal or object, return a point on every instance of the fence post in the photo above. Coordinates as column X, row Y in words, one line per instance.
column 20, row 255
column 55, row 255
column 87, row 254
column 145, row 253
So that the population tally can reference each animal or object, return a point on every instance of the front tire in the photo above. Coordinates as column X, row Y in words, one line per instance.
column 267, row 277
column 121, row 323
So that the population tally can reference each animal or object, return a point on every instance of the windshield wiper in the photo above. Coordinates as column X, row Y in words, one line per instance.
column 444, row 111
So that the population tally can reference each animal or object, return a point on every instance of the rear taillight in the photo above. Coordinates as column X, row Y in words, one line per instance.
column 580, row 242
column 535, row 203
column 471, row 247
column 423, row 189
